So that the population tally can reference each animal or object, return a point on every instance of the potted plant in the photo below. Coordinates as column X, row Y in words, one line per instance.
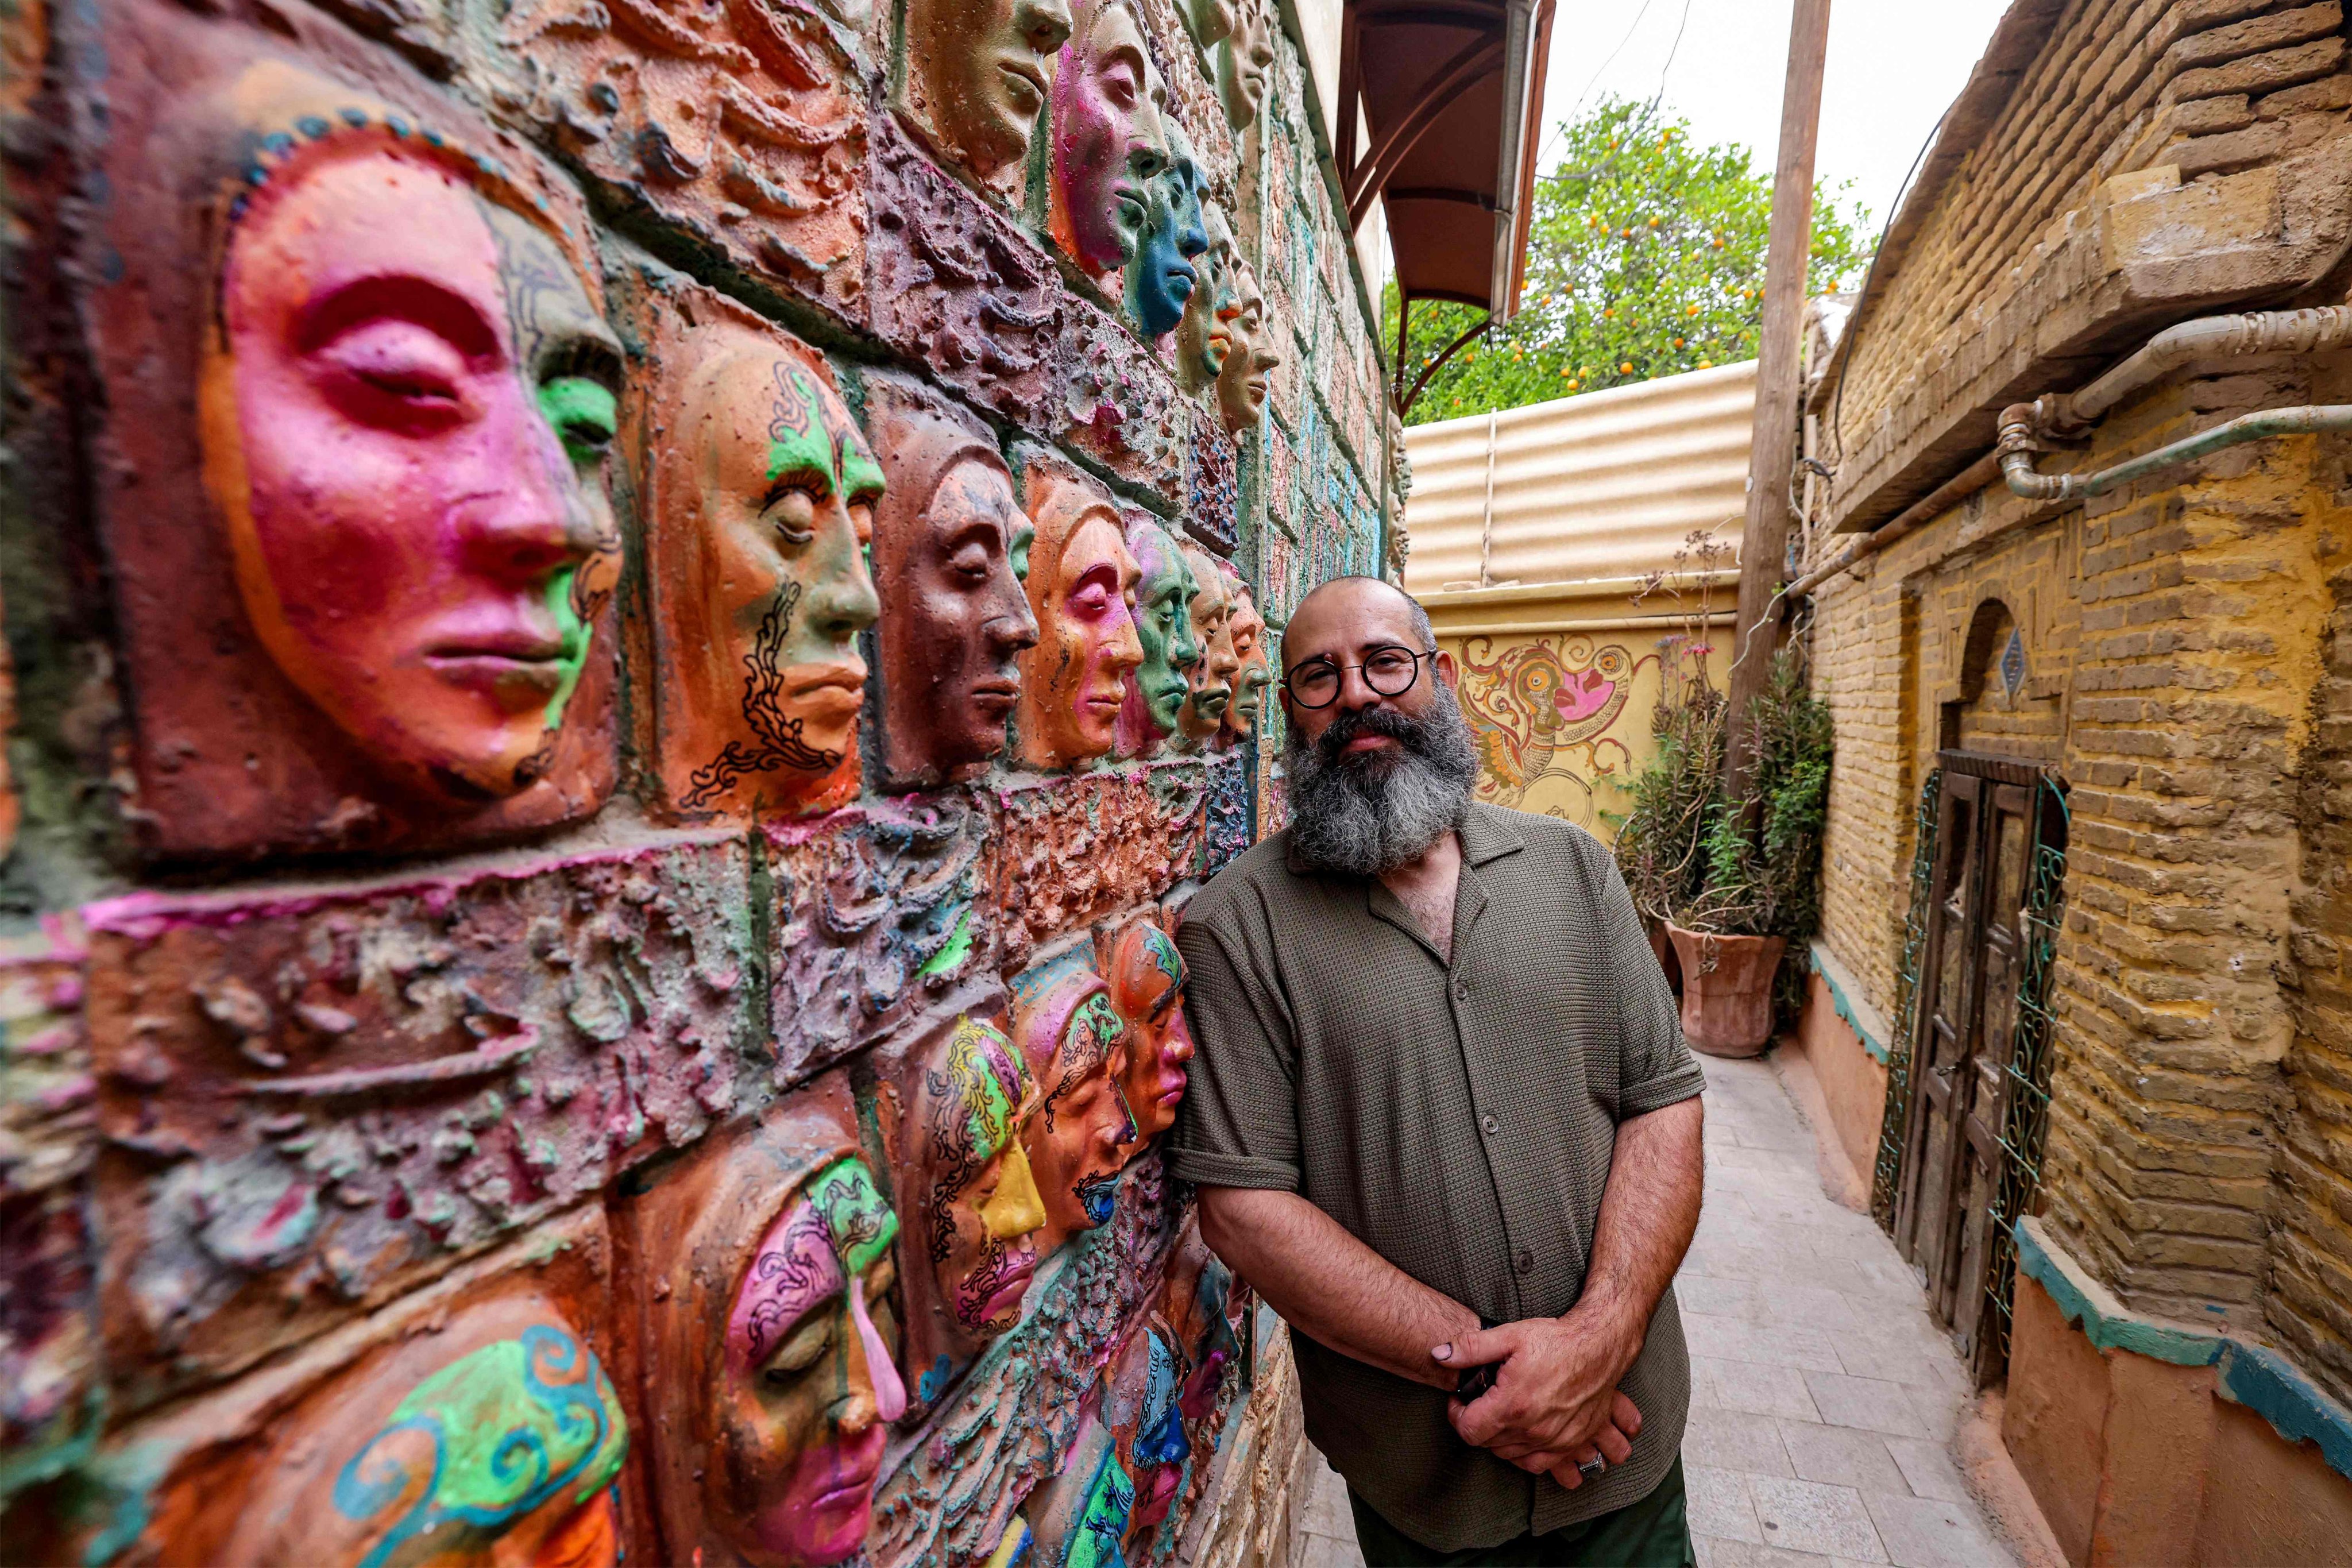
column 1731, row 882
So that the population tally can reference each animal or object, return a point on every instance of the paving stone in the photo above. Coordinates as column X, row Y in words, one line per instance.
column 1735, row 1440
column 1721, row 1297
column 1762, row 1390
column 1871, row 1404
column 1719, row 1504
column 1778, row 1344
column 1715, row 1553
column 1841, row 1456
column 1928, row 1470
column 1807, row 1516
column 1922, row 1533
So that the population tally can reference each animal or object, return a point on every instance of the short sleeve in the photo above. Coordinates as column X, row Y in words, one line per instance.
column 1655, row 1069
column 1238, row 1125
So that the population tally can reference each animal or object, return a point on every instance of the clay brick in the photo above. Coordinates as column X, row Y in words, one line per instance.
column 2263, row 73
column 2327, row 95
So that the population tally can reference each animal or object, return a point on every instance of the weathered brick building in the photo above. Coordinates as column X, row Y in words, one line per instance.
column 2089, row 826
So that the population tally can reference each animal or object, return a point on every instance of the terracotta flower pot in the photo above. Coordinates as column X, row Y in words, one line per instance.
column 1727, row 990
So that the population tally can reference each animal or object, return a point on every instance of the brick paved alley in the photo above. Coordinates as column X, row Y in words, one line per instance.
column 1823, row 1402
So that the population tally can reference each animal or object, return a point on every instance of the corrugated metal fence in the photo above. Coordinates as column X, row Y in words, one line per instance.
column 1604, row 485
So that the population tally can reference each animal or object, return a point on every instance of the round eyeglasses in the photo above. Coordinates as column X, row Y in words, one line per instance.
column 1390, row 671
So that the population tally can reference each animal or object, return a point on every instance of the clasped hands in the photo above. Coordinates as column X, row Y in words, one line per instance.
column 1555, row 1402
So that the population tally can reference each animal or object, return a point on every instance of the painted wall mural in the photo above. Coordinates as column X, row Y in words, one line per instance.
column 632, row 625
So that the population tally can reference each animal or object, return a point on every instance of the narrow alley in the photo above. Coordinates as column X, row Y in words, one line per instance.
column 1824, row 1404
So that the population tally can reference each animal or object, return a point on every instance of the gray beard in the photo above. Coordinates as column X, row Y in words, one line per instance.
column 1368, row 816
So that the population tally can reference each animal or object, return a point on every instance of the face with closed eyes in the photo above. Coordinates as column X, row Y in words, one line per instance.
column 1255, row 672
column 981, row 71
column 1163, row 278
column 1163, row 619
column 1205, row 336
column 950, row 548
column 1071, row 1034
column 1211, row 692
column 810, row 1381
column 979, row 1201
column 1082, row 582
column 1147, row 986
column 1243, row 385
column 405, row 424
column 1109, row 137
column 767, row 501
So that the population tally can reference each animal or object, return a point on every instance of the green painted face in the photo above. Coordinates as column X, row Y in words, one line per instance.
column 806, row 452
column 855, row 1211
column 1163, row 622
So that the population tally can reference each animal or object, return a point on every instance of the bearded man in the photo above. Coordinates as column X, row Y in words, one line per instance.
column 1443, row 1117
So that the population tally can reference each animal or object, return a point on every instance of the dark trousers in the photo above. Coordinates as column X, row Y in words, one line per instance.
column 1651, row 1533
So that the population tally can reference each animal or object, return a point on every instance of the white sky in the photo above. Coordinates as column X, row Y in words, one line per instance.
column 1894, row 67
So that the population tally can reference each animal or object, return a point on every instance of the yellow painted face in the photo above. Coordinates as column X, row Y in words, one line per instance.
column 1015, row 1209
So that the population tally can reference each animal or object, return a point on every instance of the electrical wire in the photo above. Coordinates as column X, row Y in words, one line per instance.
column 1854, row 323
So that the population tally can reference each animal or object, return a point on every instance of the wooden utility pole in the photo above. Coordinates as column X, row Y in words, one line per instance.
column 1772, row 451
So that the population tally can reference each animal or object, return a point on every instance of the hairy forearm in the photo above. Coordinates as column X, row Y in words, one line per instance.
column 1330, row 1286
column 1648, row 1213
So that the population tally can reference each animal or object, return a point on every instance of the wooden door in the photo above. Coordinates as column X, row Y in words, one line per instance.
column 1973, row 961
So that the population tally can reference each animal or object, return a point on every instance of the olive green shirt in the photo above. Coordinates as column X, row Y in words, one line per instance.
column 1459, row 1118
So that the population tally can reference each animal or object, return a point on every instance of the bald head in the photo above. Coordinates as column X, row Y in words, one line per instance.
column 1348, row 605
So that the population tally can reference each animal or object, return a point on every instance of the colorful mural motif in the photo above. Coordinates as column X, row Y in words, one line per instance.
column 635, row 624
column 1545, row 714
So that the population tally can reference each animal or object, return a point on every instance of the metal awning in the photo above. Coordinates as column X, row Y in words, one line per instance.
column 1451, row 94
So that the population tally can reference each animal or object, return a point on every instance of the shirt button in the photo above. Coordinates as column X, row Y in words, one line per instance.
column 1524, row 1261
column 1492, row 1126
column 1461, row 991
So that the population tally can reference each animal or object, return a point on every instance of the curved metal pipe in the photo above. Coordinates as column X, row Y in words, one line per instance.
column 1945, row 497
column 2260, row 332
column 2016, row 452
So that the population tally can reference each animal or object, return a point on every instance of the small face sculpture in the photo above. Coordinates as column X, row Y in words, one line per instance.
column 1243, row 60
column 1257, row 672
column 1242, row 385
column 978, row 1200
column 951, row 547
column 1163, row 619
column 980, row 72
column 767, row 495
column 1204, row 338
column 415, row 1463
column 1163, row 278
column 1146, row 1425
column 1211, row 693
column 1081, row 584
column 1147, row 987
column 405, row 416
column 1070, row 1033
column 1210, row 21
column 1109, row 137
column 809, row 1382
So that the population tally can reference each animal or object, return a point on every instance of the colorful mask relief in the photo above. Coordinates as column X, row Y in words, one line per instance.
column 1256, row 670
column 521, row 1428
column 1099, row 1539
column 977, row 1201
column 1162, row 277
column 1243, row 60
column 1109, row 137
column 770, row 1350
column 1081, row 585
column 1066, row 1026
column 1211, row 692
column 1164, row 621
column 1204, row 338
column 1146, row 974
column 1144, row 1411
column 951, row 547
column 404, row 399
column 978, row 74
column 762, row 507
column 1242, row 384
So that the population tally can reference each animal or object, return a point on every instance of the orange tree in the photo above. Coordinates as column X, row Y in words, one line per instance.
column 1646, row 258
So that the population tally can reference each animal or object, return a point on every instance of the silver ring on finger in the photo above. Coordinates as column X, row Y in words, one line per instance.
column 1590, row 1468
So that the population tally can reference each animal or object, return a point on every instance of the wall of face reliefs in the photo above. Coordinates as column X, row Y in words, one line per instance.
column 628, row 626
